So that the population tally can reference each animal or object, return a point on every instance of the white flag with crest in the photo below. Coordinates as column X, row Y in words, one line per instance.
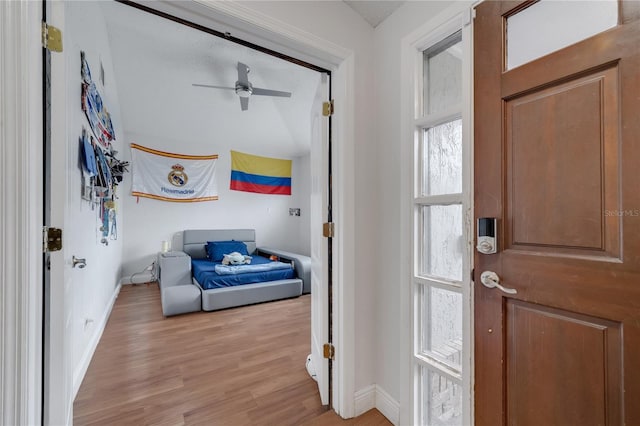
column 172, row 177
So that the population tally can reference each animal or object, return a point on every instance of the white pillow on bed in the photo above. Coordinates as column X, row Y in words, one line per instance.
column 236, row 258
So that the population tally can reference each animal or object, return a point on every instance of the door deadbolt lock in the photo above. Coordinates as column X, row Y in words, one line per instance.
column 487, row 241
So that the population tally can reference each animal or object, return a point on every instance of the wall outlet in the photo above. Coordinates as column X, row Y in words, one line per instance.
column 294, row 212
column 87, row 322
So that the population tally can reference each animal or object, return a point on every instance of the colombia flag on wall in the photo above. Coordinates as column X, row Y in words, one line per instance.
column 264, row 175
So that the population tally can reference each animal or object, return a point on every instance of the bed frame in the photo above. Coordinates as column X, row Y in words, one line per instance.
column 194, row 241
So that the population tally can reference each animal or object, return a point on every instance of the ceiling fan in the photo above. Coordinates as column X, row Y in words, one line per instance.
column 244, row 89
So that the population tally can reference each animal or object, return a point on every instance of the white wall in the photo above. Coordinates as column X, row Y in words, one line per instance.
column 149, row 222
column 377, row 206
column 389, row 307
column 300, row 199
column 374, row 148
column 377, row 203
column 338, row 23
column 378, row 309
column 94, row 287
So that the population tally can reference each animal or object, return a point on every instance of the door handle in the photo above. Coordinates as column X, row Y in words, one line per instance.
column 80, row 263
column 490, row 279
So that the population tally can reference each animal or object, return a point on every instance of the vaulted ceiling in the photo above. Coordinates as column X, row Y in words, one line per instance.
column 374, row 11
column 155, row 63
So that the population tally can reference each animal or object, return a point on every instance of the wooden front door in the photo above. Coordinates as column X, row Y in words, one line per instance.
column 557, row 162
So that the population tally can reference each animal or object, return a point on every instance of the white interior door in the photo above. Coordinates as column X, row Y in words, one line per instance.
column 319, row 244
column 58, row 369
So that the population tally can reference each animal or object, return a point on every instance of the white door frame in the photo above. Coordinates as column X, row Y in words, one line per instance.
column 21, row 218
column 411, row 52
column 21, row 149
column 58, row 352
column 260, row 29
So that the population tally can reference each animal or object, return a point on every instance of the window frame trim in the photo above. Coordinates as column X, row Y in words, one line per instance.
column 456, row 17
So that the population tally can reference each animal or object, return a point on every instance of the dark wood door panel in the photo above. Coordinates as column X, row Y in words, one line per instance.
column 568, row 363
column 563, row 176
column 629, row 11
column 606, row 292
column 557, row 161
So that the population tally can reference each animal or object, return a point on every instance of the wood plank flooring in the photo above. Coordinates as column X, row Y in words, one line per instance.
column 242, row 366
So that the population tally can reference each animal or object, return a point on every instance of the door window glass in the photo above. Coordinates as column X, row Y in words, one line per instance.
column 443, row 74
column 556, row 24
column 442, row 241
column 442, row 398
column 442, row 159
column 442, row 261
column 442, row 338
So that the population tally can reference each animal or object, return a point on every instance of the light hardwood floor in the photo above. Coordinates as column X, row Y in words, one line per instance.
column 242, row 366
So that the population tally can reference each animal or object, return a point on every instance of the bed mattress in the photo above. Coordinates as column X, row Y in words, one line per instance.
column 205, row 274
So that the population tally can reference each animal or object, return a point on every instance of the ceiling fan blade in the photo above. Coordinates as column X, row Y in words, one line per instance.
column 268, row 92
column 243, row 74
column 213, row 87
column 244, row 104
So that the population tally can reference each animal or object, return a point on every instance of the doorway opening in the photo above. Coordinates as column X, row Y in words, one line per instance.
column 324, row 198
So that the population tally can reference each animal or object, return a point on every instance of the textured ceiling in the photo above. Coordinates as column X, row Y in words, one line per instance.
column 155, row 63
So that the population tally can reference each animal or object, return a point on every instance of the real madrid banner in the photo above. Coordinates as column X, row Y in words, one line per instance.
column 172, row 177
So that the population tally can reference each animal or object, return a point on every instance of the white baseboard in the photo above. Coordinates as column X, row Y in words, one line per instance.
column 81, row 369
column 365, row 400
column 374, row 396
column 389, row 407
column 139, row 278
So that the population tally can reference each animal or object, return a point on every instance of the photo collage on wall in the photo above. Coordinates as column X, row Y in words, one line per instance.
column 101, row 171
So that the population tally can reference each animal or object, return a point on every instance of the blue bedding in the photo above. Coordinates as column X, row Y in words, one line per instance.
column 249, row 268
column 204, row 272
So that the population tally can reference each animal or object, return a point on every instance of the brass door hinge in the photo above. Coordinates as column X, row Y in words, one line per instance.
column 51, row 239
column 329, row 351
column 327, row 108
column 51, row 38
column 328, row 230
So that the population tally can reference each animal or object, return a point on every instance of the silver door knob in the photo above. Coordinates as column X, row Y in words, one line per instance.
column 80, row 263
column 491, row 280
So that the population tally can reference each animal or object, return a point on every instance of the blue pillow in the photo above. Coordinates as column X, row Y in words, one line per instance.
column 217, row 249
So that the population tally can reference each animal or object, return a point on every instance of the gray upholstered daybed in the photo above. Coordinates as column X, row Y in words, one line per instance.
column 181, row 292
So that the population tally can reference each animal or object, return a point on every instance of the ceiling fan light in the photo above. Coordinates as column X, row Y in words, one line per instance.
column 243, row 91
